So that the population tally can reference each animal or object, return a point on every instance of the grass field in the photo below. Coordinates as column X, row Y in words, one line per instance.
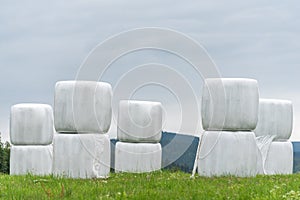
column 157, row 185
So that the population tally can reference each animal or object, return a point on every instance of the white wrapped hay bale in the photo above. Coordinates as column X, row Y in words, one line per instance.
column 81, row 155
column 139, row 121
column 275, row 118
column 279, row 159
column 31, row 124
column 82, row 106
column 137, row 157
column 35, row 159
column 230, row 104
column 228, row 153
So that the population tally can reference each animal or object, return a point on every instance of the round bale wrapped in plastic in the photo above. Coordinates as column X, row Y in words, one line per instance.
column 139, row 121
column 34, row 159
column 82, row 106
column 81, row 155
column 137, row 157
column 31, row 124
column 279, row 158
column 228, row 153
column 275, row 118
column 230, row 104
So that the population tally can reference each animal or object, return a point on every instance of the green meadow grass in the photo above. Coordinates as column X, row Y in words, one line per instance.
column 156, row 185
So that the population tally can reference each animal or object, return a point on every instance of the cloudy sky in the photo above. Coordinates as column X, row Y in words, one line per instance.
column 42, row 42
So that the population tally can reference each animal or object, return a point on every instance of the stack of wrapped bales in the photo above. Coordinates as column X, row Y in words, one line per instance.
column 139, row 134
column 31, row 134
column 82, row 117
column 275, row 123
column 229, row 115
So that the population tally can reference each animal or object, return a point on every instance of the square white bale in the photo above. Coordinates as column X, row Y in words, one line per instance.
column 137, row 157
column 81, row 155
column 34, row 159
column 31, row 124
column 228, row 153
column 275, row 118
column 139, row 121
column 230, row 104
column 279, row 158
column 82, row 106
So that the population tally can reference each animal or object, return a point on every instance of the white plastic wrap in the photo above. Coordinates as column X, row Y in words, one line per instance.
column 81, row 155
column 35, row 159
column 230, row 104
column 275, row 118
column 82, row 106
column 137, row 157
column 139, row 121
column 228, row 153
column 263, row 144
column 279, row 159
column 31, row 124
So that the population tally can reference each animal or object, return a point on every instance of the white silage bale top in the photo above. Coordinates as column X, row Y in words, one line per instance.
column 275, row 118
column 82, row 106
column 230, row 104
column 31, row 124
column 139, row 121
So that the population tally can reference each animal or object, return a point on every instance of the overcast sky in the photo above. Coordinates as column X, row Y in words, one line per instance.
column 42, row 42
